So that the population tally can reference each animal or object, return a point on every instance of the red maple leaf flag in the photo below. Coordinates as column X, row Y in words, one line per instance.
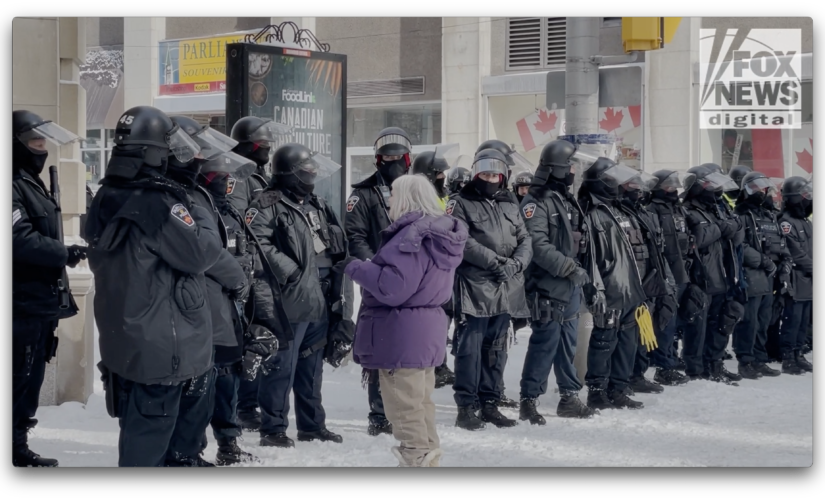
column 547, row 121
column 612, row 120
column 805, row 160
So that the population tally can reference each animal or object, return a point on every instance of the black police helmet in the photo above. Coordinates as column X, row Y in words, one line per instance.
column 426, row 163
column 245, row 127
column 187, row 124
column 294, row 159
column 555, row 161
column 523, row 179
column 456, row 177
column 793, row 186
column 392, row 141
column 738, row 172
column 661, row 175
column 23, row 121
column 149, row 128
column 500, row 146
column 713, row 167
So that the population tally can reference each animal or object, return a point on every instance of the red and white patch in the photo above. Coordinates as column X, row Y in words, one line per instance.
column 529, row 209
column 230, row 185
column 250, row 215
column 450, row 207
column 786, row 227
column 182, row 214
column 351, row 202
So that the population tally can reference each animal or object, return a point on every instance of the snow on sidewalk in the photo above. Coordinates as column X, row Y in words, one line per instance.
column 768, row 422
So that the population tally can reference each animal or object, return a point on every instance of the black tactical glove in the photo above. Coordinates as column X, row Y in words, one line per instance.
column 241, row 292
column 339, row 267
column 784, row 277
column 666, row 310
column 259, row 345
column 339, row 342
column 507, row 270
column 768, row 265
column 594, row 299
column 728, row 229
column 76, row 254
column 579, row 277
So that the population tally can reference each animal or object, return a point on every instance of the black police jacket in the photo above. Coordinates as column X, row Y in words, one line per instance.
column 149, row 247
column 367, row 215
column 225, row 275
column 83, row 218
column 799, row 234
column 657, row 280
column 285, row 236
column 497, row 232
column 706, row 260
column 556, row 243
column 38, row 256
column 671, row 218
column 610, row 257
column 241, row 192
column 762, row 237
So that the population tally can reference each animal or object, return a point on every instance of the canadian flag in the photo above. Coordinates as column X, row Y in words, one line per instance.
column 545, row 125
column 803, row 148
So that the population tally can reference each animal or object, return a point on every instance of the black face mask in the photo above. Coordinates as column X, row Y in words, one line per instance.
column 602, row 190
column 439, row 187
column 185, row 174
column 26, row 159
column 260, row 156
column 391, row 170
column 809, row 207
column 670, row 197
column 217, row 188
column 296, row 186
column 484, row 188
column 798, row 210
column 708, row 197
column 633, row 196
column 757, row 198
column 569, row 179
column 734, row 194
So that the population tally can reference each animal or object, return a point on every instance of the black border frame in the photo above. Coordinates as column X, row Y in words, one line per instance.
column 237, row 98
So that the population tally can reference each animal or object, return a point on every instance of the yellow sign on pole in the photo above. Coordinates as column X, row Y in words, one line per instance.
column 648, row 33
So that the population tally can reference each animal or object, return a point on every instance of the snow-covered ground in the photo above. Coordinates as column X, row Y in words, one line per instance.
column 766, row 423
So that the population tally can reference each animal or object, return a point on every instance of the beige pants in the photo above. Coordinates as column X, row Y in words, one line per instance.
column 406, row 393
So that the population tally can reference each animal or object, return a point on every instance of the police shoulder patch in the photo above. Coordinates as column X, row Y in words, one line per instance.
column 450, row 207
column 230, row 185
column 250, row 215
column 180, row 212
column 786, row 227
column 529, row 209
column 351, row 202
column 16, row 216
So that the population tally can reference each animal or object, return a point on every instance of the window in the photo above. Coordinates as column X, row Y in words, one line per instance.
column 95, row 152
column 536, row 42
column 609, row 22
column 422, row 122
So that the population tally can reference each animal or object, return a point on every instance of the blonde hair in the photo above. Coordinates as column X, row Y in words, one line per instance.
column 414, row 193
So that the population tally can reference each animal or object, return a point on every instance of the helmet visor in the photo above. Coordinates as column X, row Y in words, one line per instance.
column 49, row 131
column 671, row 183
column 490, row 166
column 447, row 154
column 230, row 163
column 760, row 184
column 182, row 145
column 520, row 164
column 270, row 131
column 718, row 182
column 644, row 182
column 618, row 175
column 522, row 179
column 316, row 168
column 213, row 143
column 392, row 145
column 806, row 191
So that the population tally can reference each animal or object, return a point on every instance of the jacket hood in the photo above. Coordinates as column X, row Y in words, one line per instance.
column 444, row 237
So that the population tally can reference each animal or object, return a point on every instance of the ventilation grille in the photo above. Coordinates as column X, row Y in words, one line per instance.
column 556, row 40
column 399, row 86
column 536, row 42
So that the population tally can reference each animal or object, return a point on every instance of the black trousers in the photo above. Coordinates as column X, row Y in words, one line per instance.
column 754, row 325
column 715, row 339
column 225, row 425
column 31, row 338
column 480, row 350
column 795, row 321
column 611, row 353
column 197, row 403
column 147, row 415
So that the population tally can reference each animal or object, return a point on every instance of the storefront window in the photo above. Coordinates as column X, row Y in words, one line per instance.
column 95, row 154
column 422, row 122
column 775, row 152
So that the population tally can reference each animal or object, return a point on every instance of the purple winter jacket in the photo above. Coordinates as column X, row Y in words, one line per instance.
column 401, row 323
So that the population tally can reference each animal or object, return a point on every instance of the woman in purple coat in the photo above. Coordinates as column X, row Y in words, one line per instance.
column 402, row 329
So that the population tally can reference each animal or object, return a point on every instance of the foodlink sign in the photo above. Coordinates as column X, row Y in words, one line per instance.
column 303, row 89
column 750, row 78
column 194, row 66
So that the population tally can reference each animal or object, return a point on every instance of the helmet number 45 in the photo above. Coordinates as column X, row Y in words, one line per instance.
column 126, row 119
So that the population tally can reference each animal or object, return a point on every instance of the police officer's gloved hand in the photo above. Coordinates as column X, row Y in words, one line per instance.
column 594, row 299
column 768, row 265
column 261, row 341
column 579, row 277
column 339, row 267
column 241, row 292
column 507, row 270
column 728, row 229
column 76, row 254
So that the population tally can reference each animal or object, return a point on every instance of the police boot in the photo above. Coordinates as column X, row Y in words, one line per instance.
column 24, row 457
column 506, row 402
column 802, row 362
column 732, row 376
column 807, row 348
column 642, row 385
column 598, row 400
column 186, row 461
column 714, row 374
column 527, row 411
column 790, row 366
column 670, row 377
column 279, row 440
column 444, row 376
column 379, row 427
column 748, row 371
column 620, row 400
column 229, row 453
column 680, row 364
column 490, row 413
column 467, row 419
column 321, row 435
column 570, row 406
column 250, row 420
column 766, row 370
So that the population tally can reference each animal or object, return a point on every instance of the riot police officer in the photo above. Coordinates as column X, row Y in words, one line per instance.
column 516, row 163
column 433, row 166
column 40, row 294
column 797, row 207
column 766, row 257
column 226, row 284
column 368, row 215
column 156, row 333
column 255, row 138
column 553, row 282
column 616, row 290
column 521, row 184
column 705, row 338
column 301, row 241
column 488, row 290
column 666, row 207
column 457, row 178
column 736, row 173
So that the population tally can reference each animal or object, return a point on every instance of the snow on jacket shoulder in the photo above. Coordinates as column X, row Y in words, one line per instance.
column 401, row 323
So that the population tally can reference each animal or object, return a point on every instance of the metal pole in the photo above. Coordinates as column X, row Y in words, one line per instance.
column 582, row 76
